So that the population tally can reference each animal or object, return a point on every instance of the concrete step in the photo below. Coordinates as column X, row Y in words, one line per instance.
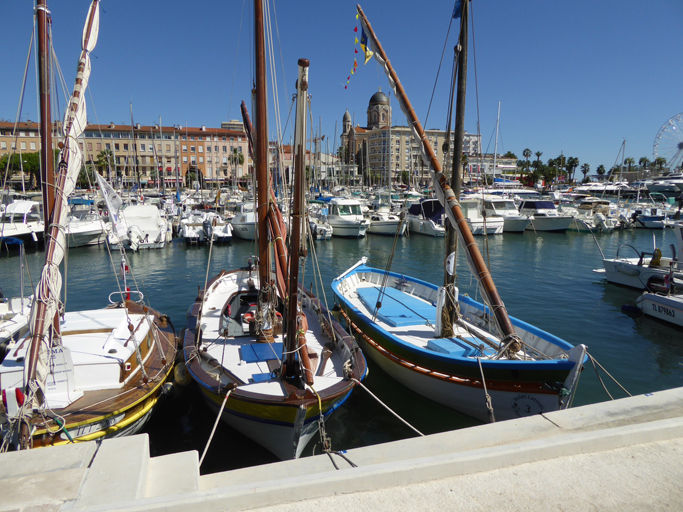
column 118, row 473
column 173, row 474
column 45, row 477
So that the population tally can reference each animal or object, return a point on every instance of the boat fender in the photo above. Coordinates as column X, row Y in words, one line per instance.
column 656, row 258
column 180, row 375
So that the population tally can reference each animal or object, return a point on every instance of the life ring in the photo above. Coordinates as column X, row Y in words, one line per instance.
column 248, row 317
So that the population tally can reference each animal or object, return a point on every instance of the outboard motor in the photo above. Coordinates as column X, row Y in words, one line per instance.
column 208, row 230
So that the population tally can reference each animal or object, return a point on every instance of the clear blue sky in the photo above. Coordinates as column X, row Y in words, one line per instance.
column 577, row 77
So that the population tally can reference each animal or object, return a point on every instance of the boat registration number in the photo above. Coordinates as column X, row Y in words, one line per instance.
column 664, row 310
column 94, row 427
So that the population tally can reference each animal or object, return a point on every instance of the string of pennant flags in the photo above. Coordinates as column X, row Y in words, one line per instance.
column 365, row 48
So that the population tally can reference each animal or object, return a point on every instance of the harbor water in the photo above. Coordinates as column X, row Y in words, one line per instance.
column 545, row 279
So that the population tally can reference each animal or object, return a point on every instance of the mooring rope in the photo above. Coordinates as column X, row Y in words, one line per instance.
column 594, row 362
column 386, row 406
column 213, row 430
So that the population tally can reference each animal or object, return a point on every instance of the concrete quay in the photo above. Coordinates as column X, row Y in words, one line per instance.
column 620, row 455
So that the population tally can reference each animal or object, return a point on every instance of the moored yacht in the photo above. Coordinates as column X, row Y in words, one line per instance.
column 346, row 218
column 513, row 221
column 426, row 217
column 545, row 216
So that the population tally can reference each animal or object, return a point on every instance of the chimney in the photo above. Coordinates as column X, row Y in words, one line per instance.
column 203, row 128
column 137, row 126
column 112, row 125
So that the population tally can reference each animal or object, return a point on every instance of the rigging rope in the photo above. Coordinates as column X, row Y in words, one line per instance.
column 386, row 406
column 213, row 430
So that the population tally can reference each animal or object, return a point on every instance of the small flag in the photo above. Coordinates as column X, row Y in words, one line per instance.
column 356, row 15
column 364, row 46
column 356, row 41
column 346, row 86
column 457, row 10
column 353, row 72
column 355, row 29
column 356, row 50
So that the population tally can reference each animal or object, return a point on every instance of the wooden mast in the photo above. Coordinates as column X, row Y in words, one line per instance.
column 451, row 235
column 291, row 368
column 262, row 163
column 447, row 196
column 46, row 153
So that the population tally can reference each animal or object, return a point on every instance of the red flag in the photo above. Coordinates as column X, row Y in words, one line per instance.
column 345, row 86
column 356, row 50
column 348, row 77
column 355, row 29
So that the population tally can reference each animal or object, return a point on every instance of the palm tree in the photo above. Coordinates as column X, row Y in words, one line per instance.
column 600, row 170
column 236, row 159
column 103, row 162
column 526, row 154
column 629, row 161
column 660, row 161
column 572, row 164
column 538, row 158
column 585, row 169
column 644, row 162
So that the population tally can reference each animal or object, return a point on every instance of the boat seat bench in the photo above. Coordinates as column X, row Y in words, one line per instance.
column 398, row 309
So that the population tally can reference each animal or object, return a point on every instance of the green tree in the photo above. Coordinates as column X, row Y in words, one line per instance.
column 629, row 161
column 660, row 161
column 86, row 177
column 644, row 162
column 600, row 170
column 236, row 159
column 585, row 169
column 527, row 154
column 510, row 154
column 103, row 162
column 572, row 164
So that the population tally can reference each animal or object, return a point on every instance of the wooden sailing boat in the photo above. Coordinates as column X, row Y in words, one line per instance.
column 265, row 352
column 81, row 375
column 475, row 359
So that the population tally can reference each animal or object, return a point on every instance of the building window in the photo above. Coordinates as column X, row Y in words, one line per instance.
column 225, row 160
column 168, row 147
column 215, row 148
column 193, row 160
column 125, row 147
column 225, row 149
column 201, row 149
column 208, row 159
column 201, row 159
column 99, row 146
column 108, row 146
column 192, row 137
column 184, row 159
column 192, row 149
column 3, row 145
column 142, row 147
column 33, row 146
column 116, row 147
column 89, row 146
column 208, row 149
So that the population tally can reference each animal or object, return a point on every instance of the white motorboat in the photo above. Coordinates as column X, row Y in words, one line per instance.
column 666, row 307
column 480, row 224
column 145, row 228
column 545, row 216
column 426, row 217
column 85, row 228
column 346, row 218
column 23, row 220
column 244, row 222
column 648, row 270
column 513, row 221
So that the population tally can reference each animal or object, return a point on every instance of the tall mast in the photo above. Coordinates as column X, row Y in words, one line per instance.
column 446, row 195
column 291, row 364
column 135, row 147
column 495, row 148
column 262, row 154
column 46, row 154
column 451, row 236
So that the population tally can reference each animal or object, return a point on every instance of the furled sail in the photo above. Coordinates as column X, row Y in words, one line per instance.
column 48, row 290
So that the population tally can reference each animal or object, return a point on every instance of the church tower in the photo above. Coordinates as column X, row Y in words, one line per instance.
column 379, row 111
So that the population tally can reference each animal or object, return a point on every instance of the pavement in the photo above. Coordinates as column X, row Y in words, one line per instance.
column 620, row 455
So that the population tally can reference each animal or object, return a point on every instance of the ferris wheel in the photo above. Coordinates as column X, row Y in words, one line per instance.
column 669, row 142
